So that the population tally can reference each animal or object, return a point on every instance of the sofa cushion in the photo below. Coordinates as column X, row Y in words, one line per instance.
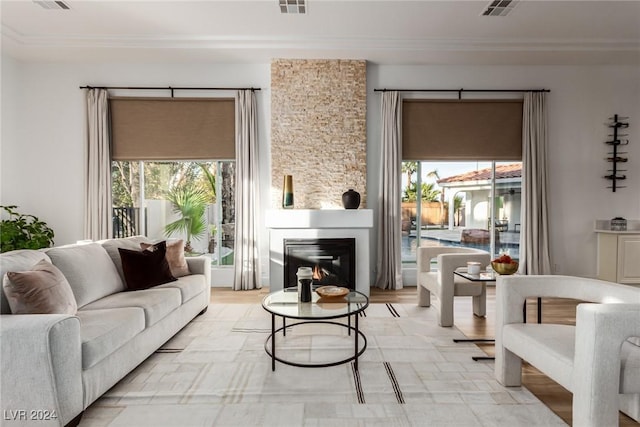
column 554, row 344
column 466, row 287
column 174, row 255
column 112, row 245
column 429, row 279
column 103, row 332
column 156, row 303
column 189, row 286
column 89, row 270
column 19, row 260
column 41, row 290
column 145, row 269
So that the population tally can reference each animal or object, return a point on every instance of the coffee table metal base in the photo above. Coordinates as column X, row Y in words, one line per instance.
column 270, row 344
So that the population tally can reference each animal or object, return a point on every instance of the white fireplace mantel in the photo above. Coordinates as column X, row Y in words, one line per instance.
column 322, row 223
column 319, row 218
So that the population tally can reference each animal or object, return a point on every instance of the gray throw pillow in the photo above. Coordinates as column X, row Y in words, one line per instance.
column 42, row 290
column 89, row 270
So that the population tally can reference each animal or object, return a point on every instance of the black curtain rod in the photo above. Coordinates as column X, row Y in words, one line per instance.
column 462, row 90
column 171, row 88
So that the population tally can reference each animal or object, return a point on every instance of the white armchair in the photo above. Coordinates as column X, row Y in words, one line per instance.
column 444, row 284
column 598, row 359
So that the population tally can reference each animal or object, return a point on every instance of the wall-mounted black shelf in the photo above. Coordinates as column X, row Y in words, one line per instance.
column 616, row 156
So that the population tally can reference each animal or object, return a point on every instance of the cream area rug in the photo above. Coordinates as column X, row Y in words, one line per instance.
column 215, row 372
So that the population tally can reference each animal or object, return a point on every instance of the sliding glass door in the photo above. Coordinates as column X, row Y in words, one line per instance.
column 190, row 200
column 472, row 204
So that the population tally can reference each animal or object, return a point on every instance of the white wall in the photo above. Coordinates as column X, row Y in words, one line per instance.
column 581, row 100
column 43, row 132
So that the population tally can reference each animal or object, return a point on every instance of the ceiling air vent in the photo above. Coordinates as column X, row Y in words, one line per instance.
column 293, row 6
column 45, row 4
column 499, row 8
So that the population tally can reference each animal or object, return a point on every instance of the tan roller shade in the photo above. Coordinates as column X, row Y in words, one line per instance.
column 172, row 128
column 461, row 129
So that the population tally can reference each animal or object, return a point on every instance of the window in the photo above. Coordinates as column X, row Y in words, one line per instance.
column 472, row 204
column 191, row 200
column 461, row 174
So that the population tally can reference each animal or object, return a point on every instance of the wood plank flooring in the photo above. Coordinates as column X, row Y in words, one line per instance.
column 562, row 311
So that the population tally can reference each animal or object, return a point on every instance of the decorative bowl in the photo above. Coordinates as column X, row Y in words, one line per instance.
column 504, row 268
column 331, row 291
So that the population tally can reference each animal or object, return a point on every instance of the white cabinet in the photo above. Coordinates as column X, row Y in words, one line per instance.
column 619, row 256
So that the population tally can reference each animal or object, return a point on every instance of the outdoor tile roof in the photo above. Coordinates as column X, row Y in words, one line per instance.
column 513, row 170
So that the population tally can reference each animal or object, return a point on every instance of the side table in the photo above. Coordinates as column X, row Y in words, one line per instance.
column 490, row 276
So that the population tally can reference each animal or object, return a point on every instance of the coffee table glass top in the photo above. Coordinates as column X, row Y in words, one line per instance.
column 285, row 303
column 483, row 276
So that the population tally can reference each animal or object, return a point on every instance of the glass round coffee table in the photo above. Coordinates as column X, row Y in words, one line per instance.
column 285, row 304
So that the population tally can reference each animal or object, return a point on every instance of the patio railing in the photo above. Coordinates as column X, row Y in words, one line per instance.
column 126, row 221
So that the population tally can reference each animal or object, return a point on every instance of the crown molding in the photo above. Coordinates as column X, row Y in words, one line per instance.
column 320, row 43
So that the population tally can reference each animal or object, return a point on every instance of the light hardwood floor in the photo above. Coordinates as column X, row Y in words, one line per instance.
column 563, row 311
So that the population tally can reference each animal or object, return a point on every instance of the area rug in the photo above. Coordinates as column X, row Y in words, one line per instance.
column 215, row 372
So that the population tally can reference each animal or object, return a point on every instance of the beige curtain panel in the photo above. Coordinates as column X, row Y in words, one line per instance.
column 461, row 129
column 97, row 219
column 535, row 255
column 247, row 257
column 172, row 128
column 389, row 248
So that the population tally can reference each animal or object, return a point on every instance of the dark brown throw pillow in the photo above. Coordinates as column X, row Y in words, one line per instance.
column 174, row 256
column 145, row 269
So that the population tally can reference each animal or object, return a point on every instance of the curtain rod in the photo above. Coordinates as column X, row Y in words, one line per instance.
column 462, row 90
column 171, row 88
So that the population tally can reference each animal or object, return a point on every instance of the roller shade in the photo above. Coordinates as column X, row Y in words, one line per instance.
column 172, row 128
column 461, row 129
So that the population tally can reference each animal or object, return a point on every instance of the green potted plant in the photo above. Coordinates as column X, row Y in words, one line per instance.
column 22, row 231
column 190, row 202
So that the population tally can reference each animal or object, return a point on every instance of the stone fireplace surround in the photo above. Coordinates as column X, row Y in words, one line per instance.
column 318, row 224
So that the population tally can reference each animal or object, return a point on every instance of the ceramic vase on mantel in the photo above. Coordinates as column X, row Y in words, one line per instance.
column 351, row 199
column 287, row 192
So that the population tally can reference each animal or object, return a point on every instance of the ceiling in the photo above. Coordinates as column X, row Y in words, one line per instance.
column 384, row 32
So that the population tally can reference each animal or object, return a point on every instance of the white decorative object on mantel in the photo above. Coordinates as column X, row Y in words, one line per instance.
column 618, row 252
column 319, row 223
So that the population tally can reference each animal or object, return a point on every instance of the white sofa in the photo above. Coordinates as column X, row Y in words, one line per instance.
column 598, row 359
column 444, row 284
column 60, row 364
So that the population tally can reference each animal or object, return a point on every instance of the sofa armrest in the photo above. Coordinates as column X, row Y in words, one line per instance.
column 200, row 265
column 41, row 369
column 423, row 262
column 512, row 292
column 601, row 329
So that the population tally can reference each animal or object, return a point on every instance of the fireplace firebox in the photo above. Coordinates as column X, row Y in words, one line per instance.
column 333, row 261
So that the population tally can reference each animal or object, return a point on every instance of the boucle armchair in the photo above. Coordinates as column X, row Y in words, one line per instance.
column 598, row 359
column 444, row 284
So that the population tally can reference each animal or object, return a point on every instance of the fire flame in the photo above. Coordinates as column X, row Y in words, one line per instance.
column 318, row 274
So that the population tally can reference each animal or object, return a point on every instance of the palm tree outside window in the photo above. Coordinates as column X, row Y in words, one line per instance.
column 191, row 200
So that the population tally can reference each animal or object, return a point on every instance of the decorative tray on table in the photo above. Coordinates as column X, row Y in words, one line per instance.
column 332, row 292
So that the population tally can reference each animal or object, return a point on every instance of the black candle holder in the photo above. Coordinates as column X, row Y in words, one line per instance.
column 616, row 156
